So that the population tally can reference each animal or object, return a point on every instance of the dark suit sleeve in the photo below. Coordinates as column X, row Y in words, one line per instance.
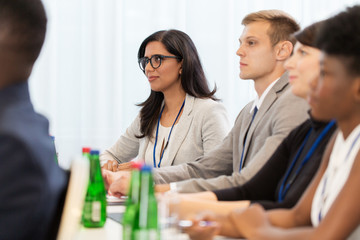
column 20, row 192
column 300, row 185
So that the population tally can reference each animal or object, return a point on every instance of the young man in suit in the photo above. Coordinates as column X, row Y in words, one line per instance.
column 32, row 185
column 265, row 45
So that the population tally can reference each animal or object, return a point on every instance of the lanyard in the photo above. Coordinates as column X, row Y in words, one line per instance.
column 157, row 132
column 283, row 188
column 323, row 194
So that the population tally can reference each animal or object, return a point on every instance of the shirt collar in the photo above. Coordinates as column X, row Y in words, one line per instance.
column 258, row 101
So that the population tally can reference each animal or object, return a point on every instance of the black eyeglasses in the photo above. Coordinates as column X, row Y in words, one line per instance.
column 155, row 61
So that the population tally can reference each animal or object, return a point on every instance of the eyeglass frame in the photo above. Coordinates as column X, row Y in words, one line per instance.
column 155, row 55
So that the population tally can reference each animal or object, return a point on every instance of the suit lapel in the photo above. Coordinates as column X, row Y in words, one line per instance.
column 245, row 124
column 182, row 129
column 265, row 106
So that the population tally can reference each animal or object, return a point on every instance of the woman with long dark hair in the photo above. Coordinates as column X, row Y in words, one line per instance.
column 180, row 121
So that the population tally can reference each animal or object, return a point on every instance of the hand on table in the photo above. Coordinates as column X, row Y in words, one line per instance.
column 204, row 227
column 120, row 184
column 162, row 188
column 109, row 177
column 114, row 166
column 248, row 222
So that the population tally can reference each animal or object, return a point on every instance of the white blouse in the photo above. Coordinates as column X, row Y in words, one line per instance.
column 162, row 140
column 201, row 127
column 341, row 160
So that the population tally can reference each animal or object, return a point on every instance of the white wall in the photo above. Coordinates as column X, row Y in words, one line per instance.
column 87, row 79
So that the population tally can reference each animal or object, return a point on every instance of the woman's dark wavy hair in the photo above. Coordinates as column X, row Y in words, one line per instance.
column 193, row 79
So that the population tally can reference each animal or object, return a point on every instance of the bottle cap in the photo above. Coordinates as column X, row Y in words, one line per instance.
column 94, row 152
column 86, row 149
column 146, row 168
column 136, row 165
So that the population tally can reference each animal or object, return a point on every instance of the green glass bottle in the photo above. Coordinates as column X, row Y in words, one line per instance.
column 86, row 152
column 132, row 202
column 94, row 213
column 146, row 225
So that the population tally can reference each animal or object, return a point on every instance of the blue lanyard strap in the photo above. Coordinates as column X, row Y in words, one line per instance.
column 283, row 189
column 157, row 132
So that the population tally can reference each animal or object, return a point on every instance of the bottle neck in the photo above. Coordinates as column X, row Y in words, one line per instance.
column 95, row 170
column 134, row 191
column 147, row 182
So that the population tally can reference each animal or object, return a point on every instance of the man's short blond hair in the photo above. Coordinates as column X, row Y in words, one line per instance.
column 282, row 25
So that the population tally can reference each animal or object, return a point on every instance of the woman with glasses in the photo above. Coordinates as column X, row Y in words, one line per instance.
column 180, row 120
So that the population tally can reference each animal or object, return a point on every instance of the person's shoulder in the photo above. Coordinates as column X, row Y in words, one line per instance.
column 288, row 98
column 207, row 106
column 301, row 128
column 206, row 102
column 9, row 141
column 23, row 122
column 25, row 125
column 289, row 107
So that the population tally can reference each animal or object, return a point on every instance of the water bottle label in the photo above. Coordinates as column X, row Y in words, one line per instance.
column 87, row 210
column 127, row 232
column 140, row 234
column 153, row 234
column 96, row 211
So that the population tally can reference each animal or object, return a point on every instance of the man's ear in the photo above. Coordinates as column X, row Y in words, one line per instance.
column 284, row 50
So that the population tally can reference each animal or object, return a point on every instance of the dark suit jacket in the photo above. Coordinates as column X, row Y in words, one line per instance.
column 32, row 185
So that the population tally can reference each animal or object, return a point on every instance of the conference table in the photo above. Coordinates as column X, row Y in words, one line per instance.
column 113, row 230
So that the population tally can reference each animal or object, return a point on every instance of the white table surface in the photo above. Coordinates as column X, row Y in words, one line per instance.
column 113, row 230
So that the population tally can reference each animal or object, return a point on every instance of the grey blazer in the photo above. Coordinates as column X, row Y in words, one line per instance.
column 280, row 112
column 202, row 126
